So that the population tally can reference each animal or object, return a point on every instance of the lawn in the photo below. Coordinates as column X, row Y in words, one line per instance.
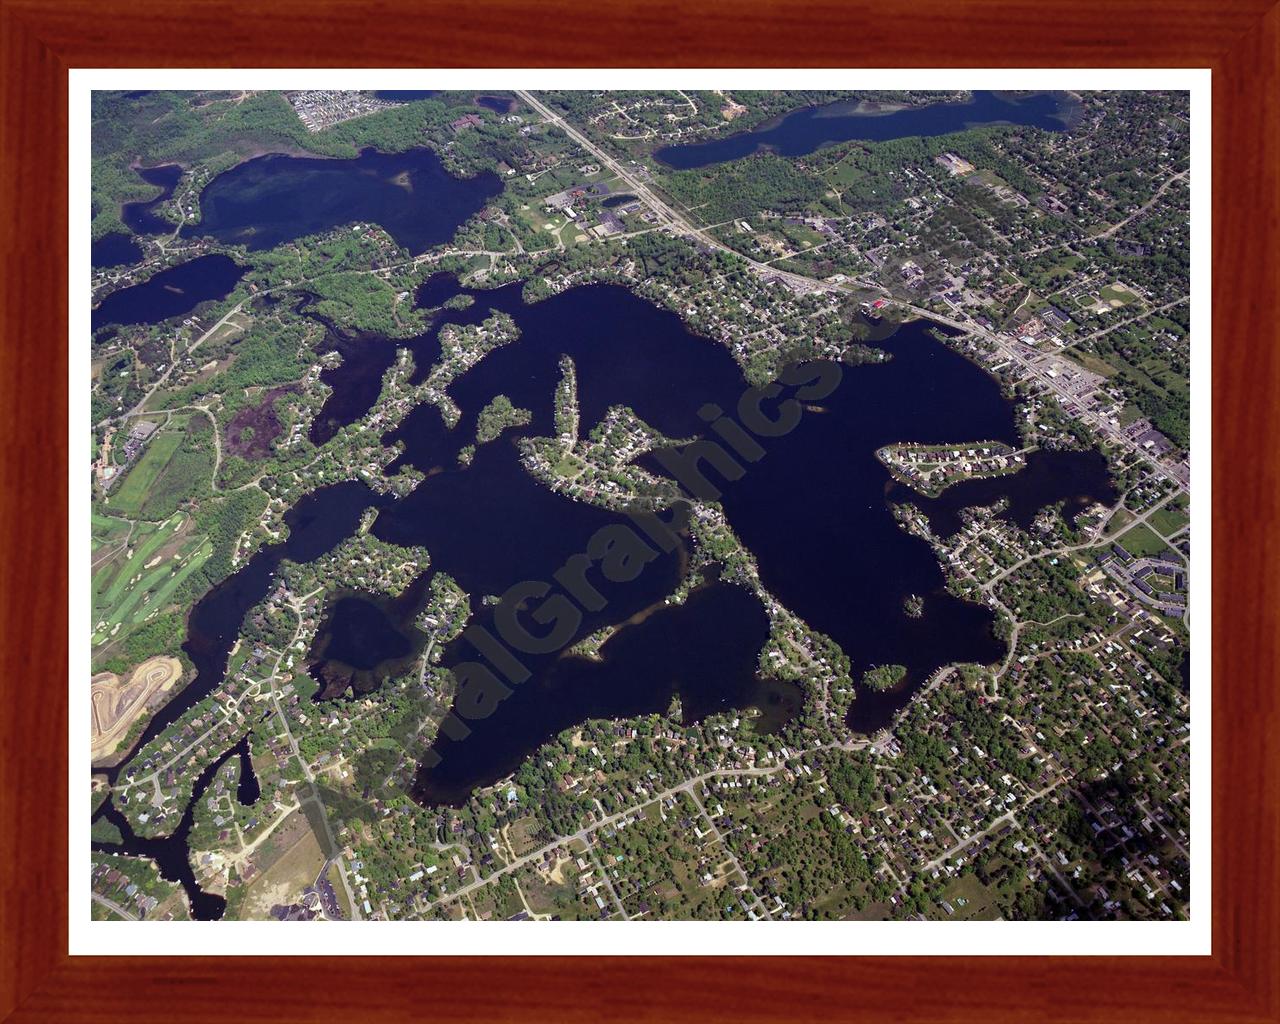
column 1170, row 519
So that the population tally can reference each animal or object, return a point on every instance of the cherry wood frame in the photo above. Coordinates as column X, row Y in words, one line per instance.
column 41, row 39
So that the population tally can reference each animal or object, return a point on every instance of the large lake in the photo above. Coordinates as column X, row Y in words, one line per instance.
column 815, row 511
column 811, row 128
column 273, row 199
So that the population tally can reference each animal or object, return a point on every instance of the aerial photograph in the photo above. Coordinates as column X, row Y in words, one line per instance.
column 639, row 505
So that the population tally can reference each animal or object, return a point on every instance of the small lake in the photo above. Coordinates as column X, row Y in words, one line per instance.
column 366, row 638
column 115, row 250
column 804, row 131
column 498, row 104
column 273, row 199
column 170, row 293
column 406, row 95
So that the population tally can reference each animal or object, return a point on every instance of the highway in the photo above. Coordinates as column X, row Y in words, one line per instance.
column 664, row 212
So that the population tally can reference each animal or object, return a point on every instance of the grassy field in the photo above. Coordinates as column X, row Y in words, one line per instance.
column 971, row 900
column 1142, row 540
column 1093, row 364
column 1170, row 519
column 524, row 835
column 133, row 492
column 1121, row 519
column 175, row 467
column 107, row 531
column 1117, row 295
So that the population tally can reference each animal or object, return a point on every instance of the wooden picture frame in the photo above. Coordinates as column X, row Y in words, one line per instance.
column 42, row 39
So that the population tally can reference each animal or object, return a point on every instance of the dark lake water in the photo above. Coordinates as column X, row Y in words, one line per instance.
column 406, row 95
column 814, row 510
column 115, row 250
column 804, row 131
column 273, row 199
column 171, row 292
column 141, row 218
column 366, row 638
column 247, row 789
column 357, row 380
column 498, row 104
column 704, row 650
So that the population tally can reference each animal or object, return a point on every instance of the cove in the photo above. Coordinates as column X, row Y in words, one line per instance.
column 1076, row 479
column 247, row 789
column 367, row 638
column 804, row 131
column 141, row 218
column 172, row 853
column 356, row 381
column 704, row 651
column 171, row 292
column 272, row 199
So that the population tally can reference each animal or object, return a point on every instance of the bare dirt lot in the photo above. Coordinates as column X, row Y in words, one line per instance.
column 116, row 705
column 294, row 866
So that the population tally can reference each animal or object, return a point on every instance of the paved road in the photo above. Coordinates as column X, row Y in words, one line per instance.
column 115, row 907
column 583, row 833
column 666, row 213
column 165, row 376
